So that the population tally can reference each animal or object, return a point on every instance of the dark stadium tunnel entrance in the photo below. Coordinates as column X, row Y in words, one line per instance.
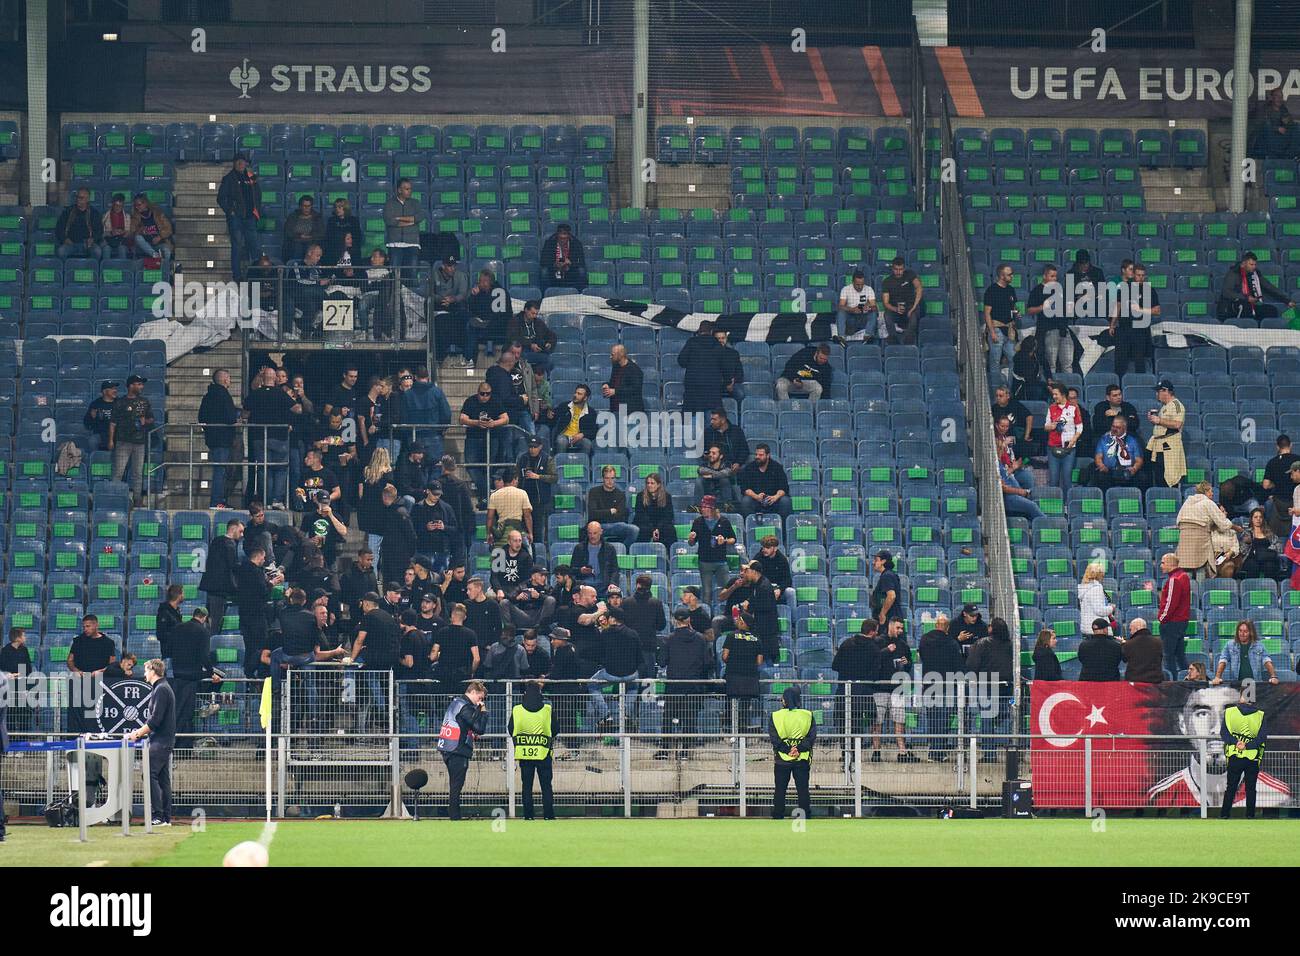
column 322, row 369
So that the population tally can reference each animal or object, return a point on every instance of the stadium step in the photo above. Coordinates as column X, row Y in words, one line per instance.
column 692, row 186
column 1177, row 190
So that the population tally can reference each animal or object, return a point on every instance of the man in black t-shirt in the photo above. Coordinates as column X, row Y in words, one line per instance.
column 1001, row 312
column 887, row 595
column 88, row 658
column 455, row 649
column 483, row 416
column 344, row 397
column 1104, row 412
column 901, row 295
column 1278, row 481
column 413, row 649
column 377, row 635
column 1022, row 422
column 315, row 477
column 267, row 404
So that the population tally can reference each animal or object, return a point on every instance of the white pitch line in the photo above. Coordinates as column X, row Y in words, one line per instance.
column 268, row 834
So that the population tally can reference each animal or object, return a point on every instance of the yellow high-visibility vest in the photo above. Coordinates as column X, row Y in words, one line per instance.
column 531, row 732
column 792, row 727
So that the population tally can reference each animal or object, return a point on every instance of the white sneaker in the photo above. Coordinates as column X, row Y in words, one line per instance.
column 161, row 823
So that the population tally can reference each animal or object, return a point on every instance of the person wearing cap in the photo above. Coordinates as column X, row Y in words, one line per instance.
column 1100, row 654
column 1167, row 462
column 563, row 261
column 129, row 424
column 437, row 533
column 887, row 594
column 96, row 420
column 793, row 732
column 240, row 198
column 713, row 537
column 537, row 478
column 857, row 303
column 742, row 653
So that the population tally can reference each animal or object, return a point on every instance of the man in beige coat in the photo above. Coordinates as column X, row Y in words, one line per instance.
column 1203, row 532
column 1165, row 456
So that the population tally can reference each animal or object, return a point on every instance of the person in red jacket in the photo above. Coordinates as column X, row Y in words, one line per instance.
column 1175, row 612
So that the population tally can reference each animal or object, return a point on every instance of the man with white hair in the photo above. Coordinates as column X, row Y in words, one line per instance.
column 160, row 728
column 1144, row 654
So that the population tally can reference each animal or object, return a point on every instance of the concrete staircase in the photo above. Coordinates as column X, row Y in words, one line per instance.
column 203, row 252
column 692, row 186
column 1178, row 190
column 11, row 183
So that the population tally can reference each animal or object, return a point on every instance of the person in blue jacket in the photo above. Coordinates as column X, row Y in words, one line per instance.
column 465, row 719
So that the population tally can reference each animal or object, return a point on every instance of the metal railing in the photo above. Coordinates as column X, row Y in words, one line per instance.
column 195, row 461
column 1003, row 601
column 389, row 308
column 247, row 464
column 918, row 118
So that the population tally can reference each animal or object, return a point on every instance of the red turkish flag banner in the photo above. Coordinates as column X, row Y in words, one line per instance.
column 1147, row 743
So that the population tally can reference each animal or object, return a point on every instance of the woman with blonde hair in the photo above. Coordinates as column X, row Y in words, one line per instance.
column 654, row 512
column 370, row 505
column 1093, row 602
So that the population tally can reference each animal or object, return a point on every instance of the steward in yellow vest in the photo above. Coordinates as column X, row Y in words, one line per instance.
column 1243, row 736
column 792, row 731
column 533, row 736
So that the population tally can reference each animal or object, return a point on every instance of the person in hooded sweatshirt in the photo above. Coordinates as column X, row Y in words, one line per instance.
column 465, row 719
column 533, row 734
column 792, row 731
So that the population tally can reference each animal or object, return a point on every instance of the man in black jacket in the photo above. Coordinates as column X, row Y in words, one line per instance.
column 191, row 654
column 625, row 387
column 1244, row 290
column 620, row 655
column 537, row 478
column 764, row 487
column 80, row 229
column 483, row 615
column 807, row 374
column 644, row 613
column 531, row 606
column 701, row 357
column 563, row 260
column 688, row 657
column 760, row 604
column 217, row 413
column 1100, row 654
column 168, row 617
column 160, row 728
column 601, row 572
column 457, row 494
column 253, row 591
column 942, row 665
column 856, row 662
column 240, row 198
column 992, row 663
column 218, row 581
column 729, row 437
column 437, row 535
column 733, row 373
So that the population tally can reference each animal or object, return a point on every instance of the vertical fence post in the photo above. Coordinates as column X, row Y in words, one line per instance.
column 509, row 762
column 125, row 789
column 81, row 788
column 624, row 751
column 1087, row 776
column 1204, row 782
column 857, row 776
column 282, row 781
column 974, row 771
column 847, row 728
column 146, row 789
column 744, row 781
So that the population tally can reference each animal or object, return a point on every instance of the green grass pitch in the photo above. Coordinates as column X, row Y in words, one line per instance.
column 648, row 842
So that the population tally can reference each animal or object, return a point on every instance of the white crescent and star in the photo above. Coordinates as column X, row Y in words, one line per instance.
column 1095, row 716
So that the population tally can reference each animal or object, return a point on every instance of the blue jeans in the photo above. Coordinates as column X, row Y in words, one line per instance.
column 598, row 707
column 217, row 489
column 79, row 250
column 1018, row 506
column 160, row 251
column 748, row 506
column 244, row 243
column 431, row 439
column 116, row 248
column 1004, row 347
column 541, row 360
column 406, row 258
column 278, row 661
column 1060, row 468
column 720, row 488
column 477, row 448
column 621, row 532
column 1025, row 478
column 277, row 449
